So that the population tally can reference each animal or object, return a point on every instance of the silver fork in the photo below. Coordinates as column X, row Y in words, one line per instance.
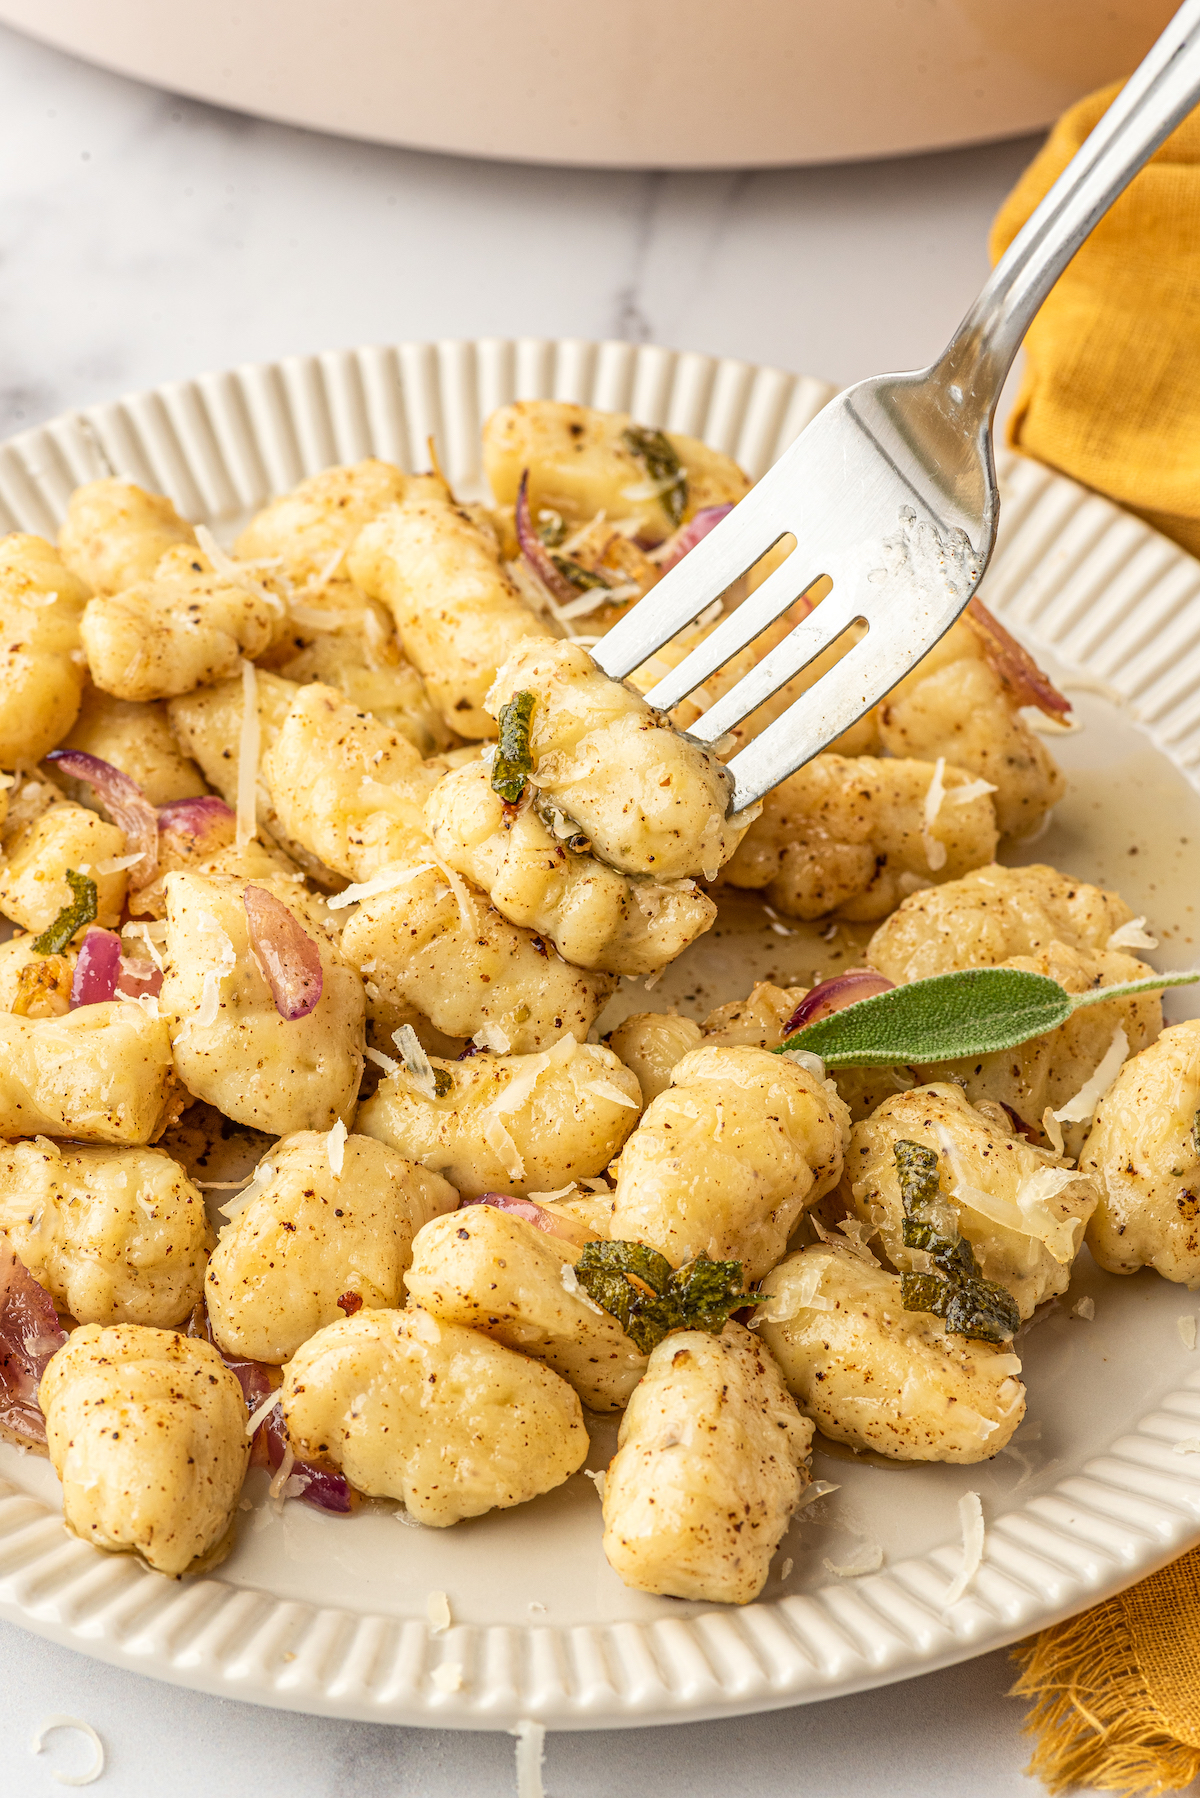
column 891, row 490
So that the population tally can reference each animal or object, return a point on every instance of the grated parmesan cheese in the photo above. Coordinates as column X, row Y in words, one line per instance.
column 935, row 852
column 224, row 565
column 263, row 1174
column 217, row 943
column 416, row 1063
column 970, row 1515
column 1086, row 1309
column 1132, row 935
column 383, row 882
column 261, row 1413
column 504, row 1148
column 277, row 1491
column 60, row 1721
column 1187, row 1445
column 382, row 1061
column 1053, row 1130
column 1028, row 1213
column 248, row 751
column 1079, row 1109
column 531, row 1755
column 570, row 1280
column 542, row 1198
column 493, row 1038
column 608, row 1089
column 1186, row 1326
column 448, row 1677
column 335, row 1148
column 597, row 1479
column 437, row 1609
column 869, row 1559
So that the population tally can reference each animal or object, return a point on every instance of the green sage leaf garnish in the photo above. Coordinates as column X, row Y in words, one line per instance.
column 1196, row 1133
column 975, row 1011
column 72, row 918
column 551, row 527
column 577, row 574
column 700, row 1296
column 514, row 761
column 957, row 1293
column 662, row 464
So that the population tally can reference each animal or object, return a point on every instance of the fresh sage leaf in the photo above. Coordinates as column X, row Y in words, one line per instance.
column 975, row 1011
column 71, row 919
column 958, row 1293
column 649, row 1298
column 514, row 760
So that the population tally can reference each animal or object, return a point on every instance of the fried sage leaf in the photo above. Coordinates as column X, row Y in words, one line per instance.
column 649, row 1298
column 958, row 1293
column 578, row 575
column 514, row 761
column 972, row 1012
column 663, row 465
column 72, row 918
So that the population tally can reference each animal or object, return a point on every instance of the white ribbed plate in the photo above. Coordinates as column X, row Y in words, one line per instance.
column 327, row 1615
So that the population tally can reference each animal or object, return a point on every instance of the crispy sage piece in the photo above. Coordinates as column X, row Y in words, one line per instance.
column 970, row 1305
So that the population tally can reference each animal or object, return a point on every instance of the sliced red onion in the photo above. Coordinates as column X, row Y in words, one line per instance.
column 834, row 995
column 287, row 955
column 97, row 969
column 534, row 1214
column 124, row 802
column 1014, row 664
column 30, row 1334
column 196, row 826
column 688, row 535
column 535, row 551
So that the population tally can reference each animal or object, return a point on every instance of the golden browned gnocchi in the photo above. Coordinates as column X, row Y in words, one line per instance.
column 724, row 1162
column 232, row 1047
column 1143, row 1154
column 43, row 669
column 651, row 1042
column 184, row 627
column 101, row 1074
column 139, row 740
column 581, row 461
column 490, row 1271
column 116, row 534
column 458, row 613
column 854, row 835
column 875, row 1376
column 596, row 917
column 710, row 1466
column 307, row 532
column 448, row 956
column 116, row 1236
column 327, row 1228
column 511, row 1123
column 603, row 764
column 33, row 882
column 1022, row 1212
column 442, row 1418
column 147, row 1432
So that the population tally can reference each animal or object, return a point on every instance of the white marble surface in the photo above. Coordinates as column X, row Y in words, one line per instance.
column 144, row 238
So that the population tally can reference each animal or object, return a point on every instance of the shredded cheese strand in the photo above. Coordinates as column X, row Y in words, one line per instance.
column 970, row 1513
column 248, row 752
column 60, row 1721
column 1079, row 1109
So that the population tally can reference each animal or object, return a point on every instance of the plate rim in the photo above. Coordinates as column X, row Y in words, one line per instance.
column 219, row 445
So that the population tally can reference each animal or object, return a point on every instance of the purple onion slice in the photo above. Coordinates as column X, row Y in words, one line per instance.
column 287, row 955
column 30, row 1334
column 97, row 969
column 688, row 535
column 535, row 551
column 195, row 827
column 834, row 995
column 125, row 804
column 1009, row 659
column 535, row 1214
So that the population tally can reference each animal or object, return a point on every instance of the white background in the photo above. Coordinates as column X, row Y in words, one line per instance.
column 145, row 238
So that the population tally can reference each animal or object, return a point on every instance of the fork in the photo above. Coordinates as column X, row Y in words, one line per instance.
column 890, row 492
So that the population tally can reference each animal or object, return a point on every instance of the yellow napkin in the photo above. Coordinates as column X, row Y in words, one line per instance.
column 1111, row 395
column 1111, row 392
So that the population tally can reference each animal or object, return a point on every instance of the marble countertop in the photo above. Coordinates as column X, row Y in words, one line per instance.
column 145, row 238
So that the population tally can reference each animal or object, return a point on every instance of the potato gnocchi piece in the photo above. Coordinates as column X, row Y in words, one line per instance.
column 596, row 917
column 649, row 800
column 651, row 1042
column 458, row 613
column 582, row 461
column 510, row 1123
column 147, row 1432
column 310, row 1238
column 33, row 882
column 139, row 740
column 489, row 1271
column 854, row 835
column 231, row 1046
column 43, row 669
column 442, row 1418
column 347, row 788
column 991, row 915
column 372, row 679
column 116, row 1236
column 308, row 527
column 1143, row 1153
column 710, row 1466
column 954, row 704
column 32, row 985
column 878, row 1377
column 102, row 1074
column 116, row 534
column 1023, row 1214
column 469, row 976
column 724, row 1162
column 184, row 627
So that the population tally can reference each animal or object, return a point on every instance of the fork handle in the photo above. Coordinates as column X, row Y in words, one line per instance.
column 1159, row 94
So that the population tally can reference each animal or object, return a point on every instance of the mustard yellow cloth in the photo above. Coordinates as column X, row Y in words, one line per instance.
column 1111, row 395
column 1111, row 391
